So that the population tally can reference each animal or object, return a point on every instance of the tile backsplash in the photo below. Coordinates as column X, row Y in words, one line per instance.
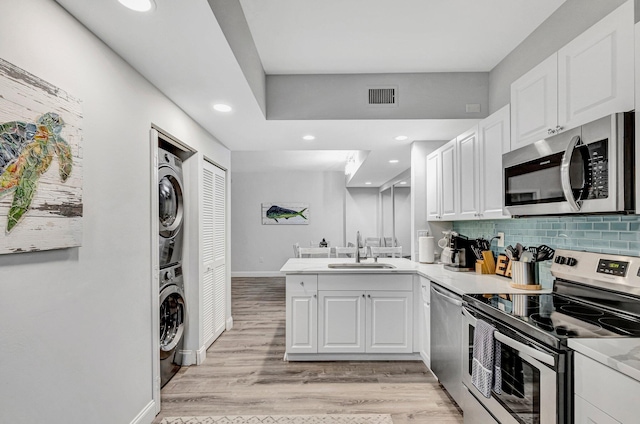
column 615, row 234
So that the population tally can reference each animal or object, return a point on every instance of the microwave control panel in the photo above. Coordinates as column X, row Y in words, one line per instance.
column 598, row 172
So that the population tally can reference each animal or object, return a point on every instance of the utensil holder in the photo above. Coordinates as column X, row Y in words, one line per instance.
column 524, row 275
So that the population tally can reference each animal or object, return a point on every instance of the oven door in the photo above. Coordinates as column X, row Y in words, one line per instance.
column 529, row 380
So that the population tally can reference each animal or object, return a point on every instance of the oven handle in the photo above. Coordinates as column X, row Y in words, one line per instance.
column 521, row 347
column 564, row 173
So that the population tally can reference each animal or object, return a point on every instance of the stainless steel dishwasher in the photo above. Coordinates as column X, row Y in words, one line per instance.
column 446, row 340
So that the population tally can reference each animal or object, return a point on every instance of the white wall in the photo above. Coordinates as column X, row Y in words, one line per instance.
column 402, row 196
column 76, row 333
column 261, row 250
column 362, row 206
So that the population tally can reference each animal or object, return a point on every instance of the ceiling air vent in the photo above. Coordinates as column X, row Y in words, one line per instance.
column 383, row 96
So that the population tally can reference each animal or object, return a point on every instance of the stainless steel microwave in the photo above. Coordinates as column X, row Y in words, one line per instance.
column 589, row 169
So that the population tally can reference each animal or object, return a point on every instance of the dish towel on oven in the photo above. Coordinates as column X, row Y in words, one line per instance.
column 482, row 365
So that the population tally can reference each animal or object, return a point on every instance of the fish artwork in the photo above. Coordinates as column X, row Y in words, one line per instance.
column 26, row 152
column 276, row 212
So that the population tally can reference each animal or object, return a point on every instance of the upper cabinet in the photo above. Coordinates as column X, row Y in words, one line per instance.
column 534, row 103
column 493, row 141
column 589, row 78
column 464, row 177
column 595, row 70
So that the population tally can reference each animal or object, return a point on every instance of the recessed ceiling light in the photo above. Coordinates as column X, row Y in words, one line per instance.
column 401, row 137
column 403, row 182
column 308, row 137
column 139, row 5
column 368, row 183
column 220, row 107
column 394, row 161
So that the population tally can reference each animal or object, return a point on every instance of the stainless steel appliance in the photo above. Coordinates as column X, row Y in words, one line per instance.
column 595, row 295
column 173, row 316
column 458, row 255
column 589, row 169
column 171, row 208
column 446, row 337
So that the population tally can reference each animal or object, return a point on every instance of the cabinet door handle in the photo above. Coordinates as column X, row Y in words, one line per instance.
column 315, row 295
column 558, row 129
column 369, row 296
column 362, row 294
column 550, row 131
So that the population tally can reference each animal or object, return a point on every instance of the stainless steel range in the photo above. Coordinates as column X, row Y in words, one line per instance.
column 595, row 295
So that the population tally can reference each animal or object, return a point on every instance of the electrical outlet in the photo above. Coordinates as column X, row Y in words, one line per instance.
column 500, row 239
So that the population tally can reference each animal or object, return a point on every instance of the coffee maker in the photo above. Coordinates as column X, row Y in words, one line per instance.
column 457, row 254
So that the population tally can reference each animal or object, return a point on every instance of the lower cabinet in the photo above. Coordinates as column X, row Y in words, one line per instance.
column 603, row 395
column 425, row 321
column 301, row 314
column 355, row 314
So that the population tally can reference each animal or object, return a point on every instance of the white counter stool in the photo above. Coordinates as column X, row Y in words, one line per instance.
column 314, row 252
column 345, row 252
column 386, row 252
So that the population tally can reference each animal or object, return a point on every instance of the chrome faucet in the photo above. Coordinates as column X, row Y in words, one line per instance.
column 358, row 240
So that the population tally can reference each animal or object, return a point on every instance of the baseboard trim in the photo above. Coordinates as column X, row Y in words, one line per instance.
column 249, row 274
column 188, row 357
column 201, row 355
column 352, row 357
column 147, row 414
column 229, row 323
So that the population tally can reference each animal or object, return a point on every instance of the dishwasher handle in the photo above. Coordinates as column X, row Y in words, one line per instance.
column 446, row 297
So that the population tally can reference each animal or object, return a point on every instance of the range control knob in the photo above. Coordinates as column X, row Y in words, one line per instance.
column 571, row 261
column 560, row 260
column 167, row 276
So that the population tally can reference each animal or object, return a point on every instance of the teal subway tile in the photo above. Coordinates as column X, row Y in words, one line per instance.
column 630, row 236
column 619, row 226
column 601, row 243
column 576, row 234
column 619, row 245
column 559, row 226
column 585, row 243
column 634, row 248
column 586, row 226
column 592, row 234
column 634, row 226
column 630, row 218
column 610, row 235
column 601, row 226
column 545, row 226
column 611, row 218
column 571, row 226
column 594, row 219
column 552, row 234
column 578, row 219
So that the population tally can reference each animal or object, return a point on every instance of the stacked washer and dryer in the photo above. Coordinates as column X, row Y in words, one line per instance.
column 173, row 310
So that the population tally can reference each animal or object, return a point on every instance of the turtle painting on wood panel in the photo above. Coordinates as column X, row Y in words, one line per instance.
column 26, row 152
column 41, row 164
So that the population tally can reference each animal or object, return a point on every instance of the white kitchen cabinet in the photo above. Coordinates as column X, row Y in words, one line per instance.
column 586, row 413
column 590, row 77
column 603, row 395
column 442, row 183
column 494, row 139
column 388, row 322
column 341, row 321
column 449, row 185
column 434, row 186
column 301, row 313
column 595, row 70
column 468, row 191
column 425, row 321
column 534, row 103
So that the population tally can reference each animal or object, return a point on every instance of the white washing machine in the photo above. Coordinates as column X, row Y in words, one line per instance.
column 171, row 210
column 173, row 317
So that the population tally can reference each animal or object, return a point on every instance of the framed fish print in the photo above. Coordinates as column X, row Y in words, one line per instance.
column 285, row 213
column 40, row 164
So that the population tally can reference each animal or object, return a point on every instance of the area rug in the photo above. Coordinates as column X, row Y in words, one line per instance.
column 283, row 419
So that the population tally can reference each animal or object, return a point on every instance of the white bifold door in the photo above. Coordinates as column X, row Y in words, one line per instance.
column 213, row 253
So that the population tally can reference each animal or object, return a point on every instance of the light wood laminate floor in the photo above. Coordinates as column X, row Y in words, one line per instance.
column 245, row 373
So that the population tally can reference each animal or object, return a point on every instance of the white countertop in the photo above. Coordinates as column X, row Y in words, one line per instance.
column 621, row 354
column 458, row 282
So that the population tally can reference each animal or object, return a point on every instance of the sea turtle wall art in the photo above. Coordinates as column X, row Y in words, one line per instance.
column 285, row 213
column 40, row 164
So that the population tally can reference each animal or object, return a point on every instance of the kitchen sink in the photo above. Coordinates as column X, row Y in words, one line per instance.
column 366, row 265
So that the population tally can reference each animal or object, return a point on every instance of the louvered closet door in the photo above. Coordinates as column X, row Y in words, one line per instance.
column 213, row 253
